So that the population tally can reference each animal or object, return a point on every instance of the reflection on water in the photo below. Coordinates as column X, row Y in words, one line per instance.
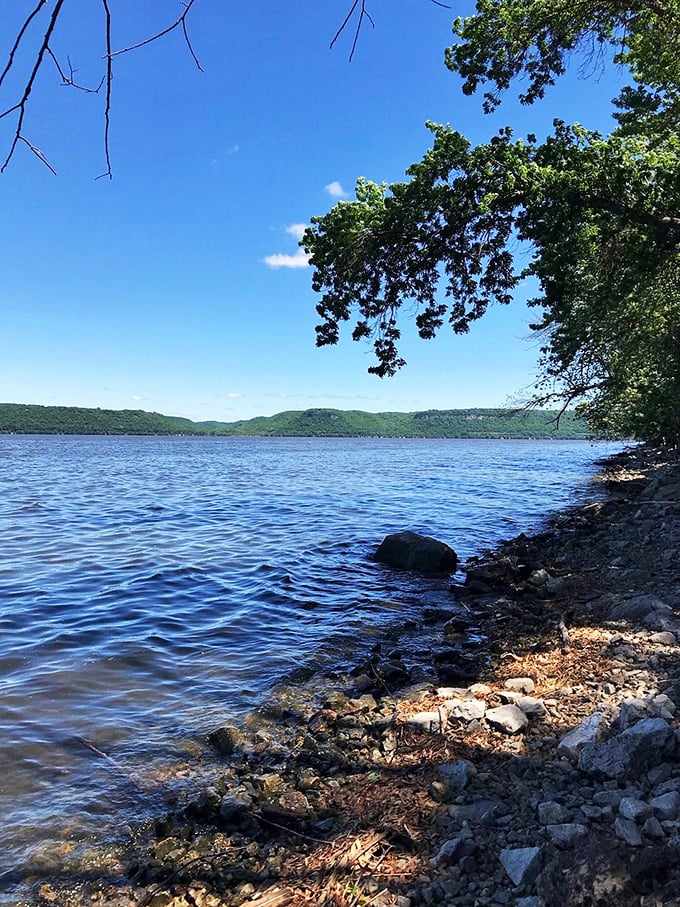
column 151, row 588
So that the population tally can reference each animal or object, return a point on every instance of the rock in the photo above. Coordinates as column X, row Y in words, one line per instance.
column 532, row 707
column 586, row 732
column 556, row 585
column 429, row 721
column 234, row 803
column 453, row 850
column 666, row 806
column 507, row 718
column 637, row 607
column 456, row 775
column 630, row 753
column 454, row 693
column 653, row 828
column 496, row 575
column 465, row 709
column 410, row 551
column 566, row 834
column 635, row 810
column 480, row 689
column 665, row 638
column 552, row 813
column 520, row 684
column 477, row 811
column 522, row 864
column 628, row 831
column 226, row 739
column 539, row 577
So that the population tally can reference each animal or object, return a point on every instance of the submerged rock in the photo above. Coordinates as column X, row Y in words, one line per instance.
column 411, row 551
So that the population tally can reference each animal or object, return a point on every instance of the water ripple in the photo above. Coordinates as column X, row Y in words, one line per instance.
column 151, row 588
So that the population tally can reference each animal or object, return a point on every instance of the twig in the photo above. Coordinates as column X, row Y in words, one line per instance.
column 21, row 105
column 298, row 834
column 69, row 80
column 181, row 22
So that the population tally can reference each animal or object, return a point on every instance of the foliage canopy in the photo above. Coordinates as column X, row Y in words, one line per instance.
column 600, row 216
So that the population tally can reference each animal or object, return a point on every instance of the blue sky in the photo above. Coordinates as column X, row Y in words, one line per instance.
column 170, row 287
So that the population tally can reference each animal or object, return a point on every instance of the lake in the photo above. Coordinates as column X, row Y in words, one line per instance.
column 153, row 588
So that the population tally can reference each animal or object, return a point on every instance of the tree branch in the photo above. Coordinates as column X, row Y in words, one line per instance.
column 179, row 23
column 21, row 105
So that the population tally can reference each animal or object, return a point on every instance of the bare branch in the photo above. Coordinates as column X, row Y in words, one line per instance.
column 22, row 32
column 38, row 153
column 363, row 14
column 109, row 83
column 21, row 106
column 68, row 79
column 181, row 22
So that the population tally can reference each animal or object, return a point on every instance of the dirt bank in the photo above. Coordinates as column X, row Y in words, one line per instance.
column 466, row 785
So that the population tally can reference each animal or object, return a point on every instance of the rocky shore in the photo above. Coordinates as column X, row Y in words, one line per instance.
column 528, row 754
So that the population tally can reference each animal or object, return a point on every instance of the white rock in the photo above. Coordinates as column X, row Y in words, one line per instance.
column 586, row 732
column 507, row 718
column 465, row 709
column 520, row 684
column 429, row 721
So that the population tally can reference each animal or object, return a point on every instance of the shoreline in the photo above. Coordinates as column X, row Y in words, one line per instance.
column 403, row 790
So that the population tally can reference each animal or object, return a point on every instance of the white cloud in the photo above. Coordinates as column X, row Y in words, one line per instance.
column 296, row 230
column 299, row 260
column 335, row 190
column 137, row 397
column 234, row 395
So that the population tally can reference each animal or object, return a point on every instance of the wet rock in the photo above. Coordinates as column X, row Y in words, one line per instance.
column 522, row 864
column 410, row 551
column 630, row 753
column 499, row 574
column 234, row 803
column 226, row 739
column 507, row 718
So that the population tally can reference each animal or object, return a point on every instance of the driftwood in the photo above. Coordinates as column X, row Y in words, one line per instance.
column 564, row 633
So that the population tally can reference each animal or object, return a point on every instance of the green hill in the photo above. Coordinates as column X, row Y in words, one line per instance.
column 317, row 423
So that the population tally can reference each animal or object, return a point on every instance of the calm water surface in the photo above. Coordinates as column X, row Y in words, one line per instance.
column 152, row 588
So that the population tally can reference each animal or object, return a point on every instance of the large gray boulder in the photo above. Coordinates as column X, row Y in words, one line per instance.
column 419, row 553
column 631, row 753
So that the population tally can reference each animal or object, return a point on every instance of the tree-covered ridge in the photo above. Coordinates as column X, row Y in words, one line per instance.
column 31, row 419
column 457, row 423
column 599, row 217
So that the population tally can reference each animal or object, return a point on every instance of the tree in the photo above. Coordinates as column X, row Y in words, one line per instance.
column 599, row 216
